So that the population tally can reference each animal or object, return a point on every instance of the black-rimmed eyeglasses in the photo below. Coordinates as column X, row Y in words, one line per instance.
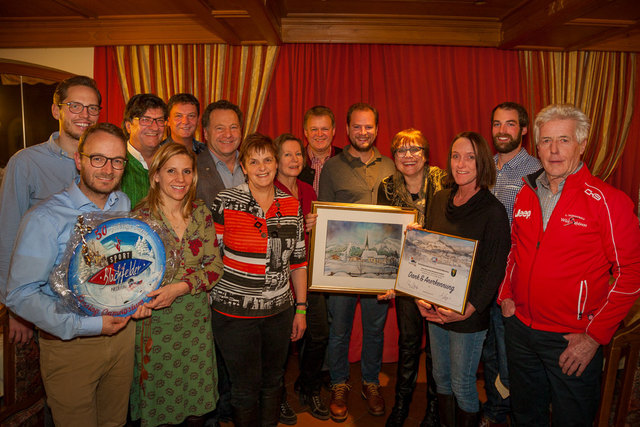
column 148, row 121
column 98, row 161
column 76, row 108
column 413, row 150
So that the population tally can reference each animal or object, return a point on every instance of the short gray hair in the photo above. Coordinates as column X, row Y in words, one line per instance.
column 562, row 112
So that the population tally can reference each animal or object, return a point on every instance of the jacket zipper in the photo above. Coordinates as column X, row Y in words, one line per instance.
column 584, row 289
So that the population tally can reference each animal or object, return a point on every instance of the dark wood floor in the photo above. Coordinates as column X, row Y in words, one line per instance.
column 358, row 415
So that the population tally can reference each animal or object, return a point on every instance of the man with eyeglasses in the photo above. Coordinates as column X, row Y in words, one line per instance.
column 86, row 362
column 184, row 110
column 37, row 172
column 144, row 121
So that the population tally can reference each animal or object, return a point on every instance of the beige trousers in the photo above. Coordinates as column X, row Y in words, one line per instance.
column 87, row 380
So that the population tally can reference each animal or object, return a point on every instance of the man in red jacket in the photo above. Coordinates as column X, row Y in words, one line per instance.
column 571, row 234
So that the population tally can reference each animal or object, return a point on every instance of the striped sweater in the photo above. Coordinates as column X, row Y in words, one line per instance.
column 259, row 251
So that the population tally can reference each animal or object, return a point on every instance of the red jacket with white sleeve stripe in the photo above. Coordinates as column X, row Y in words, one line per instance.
column 559, row 277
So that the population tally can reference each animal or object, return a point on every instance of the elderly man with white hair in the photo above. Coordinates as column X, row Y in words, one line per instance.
column 571, row 234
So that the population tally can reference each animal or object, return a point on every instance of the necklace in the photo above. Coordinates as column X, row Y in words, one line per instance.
column 258, row 223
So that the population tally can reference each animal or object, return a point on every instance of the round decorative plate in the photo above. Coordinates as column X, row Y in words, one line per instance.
column 123, row 261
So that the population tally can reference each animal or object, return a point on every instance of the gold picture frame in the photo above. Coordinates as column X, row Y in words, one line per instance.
column 356, row 248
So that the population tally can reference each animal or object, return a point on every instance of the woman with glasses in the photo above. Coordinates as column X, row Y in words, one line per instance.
column 413, row 185
column 175, row 377
column 255, row 316
column 469, row 210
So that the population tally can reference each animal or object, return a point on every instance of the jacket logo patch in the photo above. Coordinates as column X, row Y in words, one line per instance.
column 596, row 196
column 570, row 219
column 522, row 214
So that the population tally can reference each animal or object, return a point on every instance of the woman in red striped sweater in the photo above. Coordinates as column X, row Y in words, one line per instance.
column 261, row 235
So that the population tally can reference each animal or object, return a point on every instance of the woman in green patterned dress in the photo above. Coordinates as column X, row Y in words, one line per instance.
column 175, row 377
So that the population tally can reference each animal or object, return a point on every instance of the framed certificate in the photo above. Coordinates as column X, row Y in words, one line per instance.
column 356, row 248
column 437, row 267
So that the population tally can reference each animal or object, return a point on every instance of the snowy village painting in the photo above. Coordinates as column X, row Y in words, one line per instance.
column 437, row 267
column 357, row 248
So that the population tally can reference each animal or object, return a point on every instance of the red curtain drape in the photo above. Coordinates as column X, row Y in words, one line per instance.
column 626, row 176
column 439, row 90
column 105, row 73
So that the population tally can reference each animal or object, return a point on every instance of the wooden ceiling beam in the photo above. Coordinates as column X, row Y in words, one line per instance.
column 79, row 32
column 264, row 21
column 540, row 16
column 393, row 30
column 76, row 8
column 607, row 33
column 206, row 16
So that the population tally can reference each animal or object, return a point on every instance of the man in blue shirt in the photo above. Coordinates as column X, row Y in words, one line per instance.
column 37, row 172
column 86, row 362
column 509, row 123
column 218, row 165
column 218, row 169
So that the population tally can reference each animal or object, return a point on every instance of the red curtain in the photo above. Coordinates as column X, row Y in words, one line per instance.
column 626, row 176
column 439, row 90
column 105, row 73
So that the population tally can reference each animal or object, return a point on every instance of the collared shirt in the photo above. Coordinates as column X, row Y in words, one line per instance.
column 196, row 145
column 548, row 200
column 316, row 164
column 230, row 179
column 509, row 178
column 136, row 155
column 32, row 175
column 40, row 246
column 347, row 179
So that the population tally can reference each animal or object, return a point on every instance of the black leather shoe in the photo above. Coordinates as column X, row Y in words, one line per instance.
column 314, row 405
column 287, row 414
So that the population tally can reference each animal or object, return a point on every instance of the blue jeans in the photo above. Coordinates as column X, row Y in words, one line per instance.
column 456, row 357
column 374, row 315
column 494, row 356
column 537, row 379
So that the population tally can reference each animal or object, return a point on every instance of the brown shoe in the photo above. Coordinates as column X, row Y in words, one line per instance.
column 375, row 402
column 338, row 405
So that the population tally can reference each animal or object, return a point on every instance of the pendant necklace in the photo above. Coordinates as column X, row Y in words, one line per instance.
column 258, row 223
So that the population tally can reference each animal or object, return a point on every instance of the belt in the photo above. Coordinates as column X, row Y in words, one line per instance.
column 47, row 336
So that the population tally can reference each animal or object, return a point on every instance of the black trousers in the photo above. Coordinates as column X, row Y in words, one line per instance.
column 536, row 379
column 411, row 326
column 314, row 344
column 254, row 351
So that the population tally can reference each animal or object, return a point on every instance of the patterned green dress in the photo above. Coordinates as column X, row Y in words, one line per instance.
column 175, row 368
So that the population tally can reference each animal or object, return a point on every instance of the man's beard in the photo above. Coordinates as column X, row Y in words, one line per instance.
column 360, row 148
column 89, row 184
column 509, row 146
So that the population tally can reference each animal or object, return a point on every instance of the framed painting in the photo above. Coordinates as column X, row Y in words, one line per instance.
column 356, row 248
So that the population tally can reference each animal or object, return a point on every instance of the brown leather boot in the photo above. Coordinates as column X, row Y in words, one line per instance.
column 375, row 401
column 338, row 405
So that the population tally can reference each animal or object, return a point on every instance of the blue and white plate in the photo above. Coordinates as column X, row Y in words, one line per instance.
column 129, row 262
